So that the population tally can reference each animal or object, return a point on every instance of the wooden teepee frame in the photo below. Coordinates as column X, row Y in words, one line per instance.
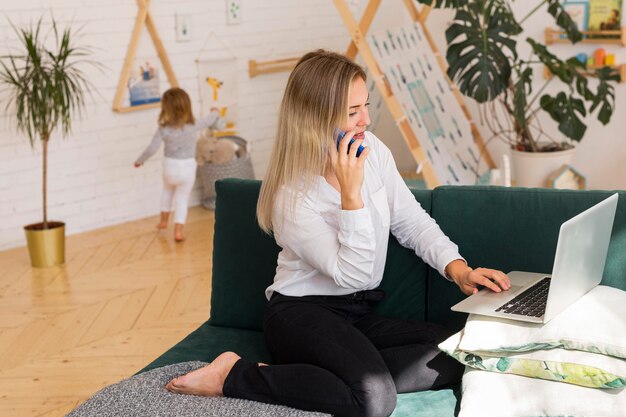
column 359, row 45
column 143, row 17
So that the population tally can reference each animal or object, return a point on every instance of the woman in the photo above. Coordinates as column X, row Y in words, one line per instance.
column 331, row 212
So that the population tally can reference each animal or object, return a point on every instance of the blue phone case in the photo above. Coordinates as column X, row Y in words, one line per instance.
column 340, row 135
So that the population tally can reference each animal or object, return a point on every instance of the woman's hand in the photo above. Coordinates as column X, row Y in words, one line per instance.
column 349, row 171
column 468, row 279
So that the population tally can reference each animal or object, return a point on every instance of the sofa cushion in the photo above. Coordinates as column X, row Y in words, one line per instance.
column 440, row 403
column 244, row 257
column 512, row 229
column 244, row 263
column 145, row 395
column 208, row 341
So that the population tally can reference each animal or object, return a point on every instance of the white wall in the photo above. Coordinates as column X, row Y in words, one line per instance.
column 91, row 179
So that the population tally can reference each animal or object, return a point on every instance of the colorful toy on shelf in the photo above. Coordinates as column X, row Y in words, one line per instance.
column 582, row 57
column 590, row 62
column 599, row 55
column 609, row 59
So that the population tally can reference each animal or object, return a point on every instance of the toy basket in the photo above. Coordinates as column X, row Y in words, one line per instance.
column 240, row 167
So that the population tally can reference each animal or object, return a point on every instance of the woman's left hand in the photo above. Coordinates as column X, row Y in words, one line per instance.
column 468, row 279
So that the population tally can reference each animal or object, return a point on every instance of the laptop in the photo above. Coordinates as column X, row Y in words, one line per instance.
column 578, row 266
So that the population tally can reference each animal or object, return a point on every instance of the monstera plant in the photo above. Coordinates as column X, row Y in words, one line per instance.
column 484, row 61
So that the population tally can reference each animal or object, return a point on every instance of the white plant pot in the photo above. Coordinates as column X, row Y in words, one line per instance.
column 532, row 169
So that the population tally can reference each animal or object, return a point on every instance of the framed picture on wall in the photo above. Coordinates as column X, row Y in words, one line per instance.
column 605, row 15
column 143, row 84
column 579, row 12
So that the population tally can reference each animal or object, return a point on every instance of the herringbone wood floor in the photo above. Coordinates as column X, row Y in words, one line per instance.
column 126, row 294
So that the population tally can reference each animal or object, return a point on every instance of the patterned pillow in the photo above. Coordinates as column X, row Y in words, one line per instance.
column 573, row 367
column 584, row 345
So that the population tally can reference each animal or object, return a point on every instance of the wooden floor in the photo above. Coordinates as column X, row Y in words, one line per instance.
column 126, row 294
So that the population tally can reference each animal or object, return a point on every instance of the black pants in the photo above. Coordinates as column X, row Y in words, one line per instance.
column 333, row 354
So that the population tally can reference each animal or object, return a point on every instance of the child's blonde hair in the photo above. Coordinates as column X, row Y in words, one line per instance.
column 175, row 108
column 314, row 105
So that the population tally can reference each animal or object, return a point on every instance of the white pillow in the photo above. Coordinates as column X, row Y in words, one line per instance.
column 595, row 323
column 570, row 366
column 489, row 394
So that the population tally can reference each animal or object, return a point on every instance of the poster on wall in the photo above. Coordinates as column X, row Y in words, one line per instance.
column 183, row 27
column 233, row 12
column 433, row 112
column 217, row 81
column 143, row 83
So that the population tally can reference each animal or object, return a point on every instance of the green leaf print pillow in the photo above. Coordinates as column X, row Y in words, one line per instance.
column 573, row 367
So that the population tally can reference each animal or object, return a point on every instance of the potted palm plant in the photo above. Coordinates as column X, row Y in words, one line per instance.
column 45, row 89
column 485, row 64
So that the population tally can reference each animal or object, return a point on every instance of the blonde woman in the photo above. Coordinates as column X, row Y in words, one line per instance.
column 331, row 212
column 178, row 129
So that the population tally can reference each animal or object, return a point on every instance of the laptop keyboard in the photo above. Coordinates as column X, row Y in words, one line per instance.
column 532, row 302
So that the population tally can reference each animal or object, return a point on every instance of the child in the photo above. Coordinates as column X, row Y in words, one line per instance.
column 178, row 130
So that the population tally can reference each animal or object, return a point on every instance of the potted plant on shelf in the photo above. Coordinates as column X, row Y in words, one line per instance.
column 485, row 64
column 45, row 89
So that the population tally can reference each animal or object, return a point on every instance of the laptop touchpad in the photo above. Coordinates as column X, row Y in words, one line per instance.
column 486, row 292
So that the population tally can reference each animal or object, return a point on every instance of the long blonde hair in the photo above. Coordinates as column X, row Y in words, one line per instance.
column 176, row 108
column 315, row 103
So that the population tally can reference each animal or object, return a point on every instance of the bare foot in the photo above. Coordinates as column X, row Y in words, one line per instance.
column 178, row 232
column 165, row 216
column 207, row 381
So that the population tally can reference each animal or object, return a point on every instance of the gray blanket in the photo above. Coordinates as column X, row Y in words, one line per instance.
column 145, row 395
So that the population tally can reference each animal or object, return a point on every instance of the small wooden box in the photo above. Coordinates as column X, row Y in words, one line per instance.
column 567, row 178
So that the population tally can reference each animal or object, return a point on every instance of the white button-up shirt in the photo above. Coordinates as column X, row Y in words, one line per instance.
column 330, row 251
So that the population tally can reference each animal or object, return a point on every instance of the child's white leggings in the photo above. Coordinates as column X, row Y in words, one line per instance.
column 178, row 178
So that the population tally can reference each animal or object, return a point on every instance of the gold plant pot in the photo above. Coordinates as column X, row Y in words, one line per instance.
column 46, row 246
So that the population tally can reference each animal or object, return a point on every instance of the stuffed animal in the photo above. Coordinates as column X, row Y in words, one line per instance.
column 210, row 149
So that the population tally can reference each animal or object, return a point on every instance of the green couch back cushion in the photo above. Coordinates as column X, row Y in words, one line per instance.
column 244, row 257
column 405, row 276
column 244, row 263
column 513, row 229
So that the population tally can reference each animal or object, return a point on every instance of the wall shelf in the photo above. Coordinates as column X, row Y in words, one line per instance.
column 143, row 18
column 618, row 69
column 612, row 36
column 267, row 67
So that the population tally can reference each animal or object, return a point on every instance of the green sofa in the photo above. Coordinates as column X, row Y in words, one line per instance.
column 504, row 228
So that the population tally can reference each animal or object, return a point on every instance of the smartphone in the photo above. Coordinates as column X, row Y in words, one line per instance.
column 340, row 134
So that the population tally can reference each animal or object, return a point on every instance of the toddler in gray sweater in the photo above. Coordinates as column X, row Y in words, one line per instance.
column 178, row 130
